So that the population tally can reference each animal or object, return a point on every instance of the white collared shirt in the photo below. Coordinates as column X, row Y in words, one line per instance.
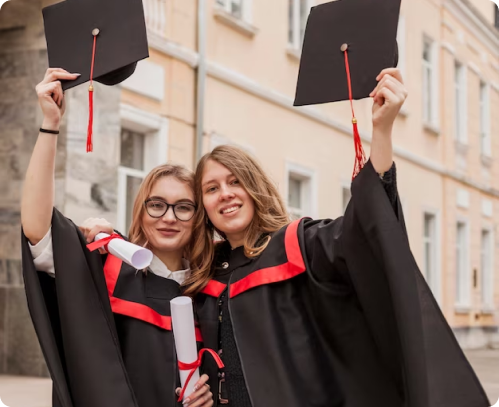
column 43, row 257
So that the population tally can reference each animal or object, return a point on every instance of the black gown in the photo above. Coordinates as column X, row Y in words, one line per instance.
column 336, row 313
column 102, row 349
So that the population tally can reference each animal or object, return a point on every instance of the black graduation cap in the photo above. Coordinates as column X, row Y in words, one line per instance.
column 368, row 28
column 101, row 39
column 347, row 44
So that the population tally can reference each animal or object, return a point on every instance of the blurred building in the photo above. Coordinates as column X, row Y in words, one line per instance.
column 224, row 71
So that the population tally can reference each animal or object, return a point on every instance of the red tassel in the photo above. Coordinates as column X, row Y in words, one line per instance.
column 360, row 157
column 90, row 146
column 90, row 118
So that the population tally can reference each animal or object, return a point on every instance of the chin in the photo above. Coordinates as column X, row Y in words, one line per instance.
column 168, row 245
column 233, row 229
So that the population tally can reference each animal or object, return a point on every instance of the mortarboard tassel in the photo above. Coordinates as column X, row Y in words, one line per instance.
column 360, row 157
column 91, row 96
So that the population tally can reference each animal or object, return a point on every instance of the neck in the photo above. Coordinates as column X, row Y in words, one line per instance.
column 236, row 240
column 172, row 260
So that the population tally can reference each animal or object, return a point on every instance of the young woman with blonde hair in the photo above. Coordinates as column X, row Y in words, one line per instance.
column 319, row 313
column 105, row 327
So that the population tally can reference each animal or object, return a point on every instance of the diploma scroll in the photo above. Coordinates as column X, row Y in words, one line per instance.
column 136, row 256
column 185, row 339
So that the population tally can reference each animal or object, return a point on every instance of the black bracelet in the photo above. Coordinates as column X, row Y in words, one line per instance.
column 49, row 131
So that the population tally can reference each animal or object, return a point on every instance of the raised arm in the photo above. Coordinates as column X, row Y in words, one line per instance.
column 38, row 191
column 389, row 96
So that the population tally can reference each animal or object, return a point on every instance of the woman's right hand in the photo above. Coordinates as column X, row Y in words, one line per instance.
column 93, row 226
column 51, row 96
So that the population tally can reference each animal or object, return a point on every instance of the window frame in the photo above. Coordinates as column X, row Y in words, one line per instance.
column 460, row 102
column 295, row 28
column 155, row 130
column 463, row 286
column 485, row 119
column 435, row 283
column 487, row 307
column 308, row 175
column 430, row 113
column 246, row 8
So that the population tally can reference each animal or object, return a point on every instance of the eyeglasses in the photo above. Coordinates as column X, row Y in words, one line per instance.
column 157, row 209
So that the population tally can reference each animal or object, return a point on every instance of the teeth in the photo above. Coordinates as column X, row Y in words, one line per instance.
column 231, row 209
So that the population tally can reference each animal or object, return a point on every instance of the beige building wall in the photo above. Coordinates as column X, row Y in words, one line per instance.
column 251, row 72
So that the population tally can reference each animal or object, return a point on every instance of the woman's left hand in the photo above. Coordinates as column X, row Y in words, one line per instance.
column 202, row 396
column 389, row 96
column 93, row 226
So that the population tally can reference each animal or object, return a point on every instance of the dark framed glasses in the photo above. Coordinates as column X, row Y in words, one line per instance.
column 157, row 208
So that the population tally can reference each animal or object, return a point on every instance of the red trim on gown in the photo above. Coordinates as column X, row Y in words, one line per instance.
column 293, row 267
column 136, row 310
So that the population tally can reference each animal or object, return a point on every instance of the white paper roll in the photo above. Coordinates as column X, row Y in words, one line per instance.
column 136, row 256
column 185, row 338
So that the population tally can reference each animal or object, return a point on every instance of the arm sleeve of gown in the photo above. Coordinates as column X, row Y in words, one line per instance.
column 43, row 255
column 323, row 241
column 324, row 252
column 389, row 182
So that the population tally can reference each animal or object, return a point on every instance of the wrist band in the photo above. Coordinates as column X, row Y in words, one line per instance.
column 49, row 131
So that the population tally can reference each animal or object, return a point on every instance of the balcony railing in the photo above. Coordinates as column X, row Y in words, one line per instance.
column 155, row 14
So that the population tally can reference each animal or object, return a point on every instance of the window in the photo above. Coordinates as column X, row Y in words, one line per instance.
column 487, row 270
column 132, row 167
column 462, row 279
column 234, row 7
column 298, row 14
column 346, row 196
column 460, row 100
column 301, row 191
column 155, row 16
column 143, row 145
column 485, row 120
column 295, row 197
column 430, row 263
column 429, row 83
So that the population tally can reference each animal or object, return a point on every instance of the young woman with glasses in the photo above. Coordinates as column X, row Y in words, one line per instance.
column 105, row 327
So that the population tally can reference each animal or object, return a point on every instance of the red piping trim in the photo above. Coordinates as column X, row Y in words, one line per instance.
column 214, row 288
column 293, row 267
column 134, row 309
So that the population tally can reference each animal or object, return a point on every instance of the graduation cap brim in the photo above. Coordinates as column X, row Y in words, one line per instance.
column 121, row 43
column 368, row 27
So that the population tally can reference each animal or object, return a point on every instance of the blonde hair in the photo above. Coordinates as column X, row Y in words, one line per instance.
column 270, row 213
column 136, row 233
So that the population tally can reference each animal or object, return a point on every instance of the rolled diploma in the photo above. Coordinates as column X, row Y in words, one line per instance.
column 136, row 256
column 185, row 338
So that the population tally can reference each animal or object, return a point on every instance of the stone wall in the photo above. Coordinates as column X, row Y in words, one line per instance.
column 85, row 183
column 23, row 60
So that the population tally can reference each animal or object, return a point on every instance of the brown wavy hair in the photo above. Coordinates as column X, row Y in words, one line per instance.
column 270, row 213
column 136, row 233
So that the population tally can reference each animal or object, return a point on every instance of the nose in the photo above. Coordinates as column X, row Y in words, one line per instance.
column 169, row 216
column 225, row 192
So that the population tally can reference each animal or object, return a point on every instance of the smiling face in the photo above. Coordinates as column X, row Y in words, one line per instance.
column 228, row 205
column 167, row 233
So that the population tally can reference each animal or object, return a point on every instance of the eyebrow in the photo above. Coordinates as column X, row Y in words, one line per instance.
column 183, row 200
column 212, row 180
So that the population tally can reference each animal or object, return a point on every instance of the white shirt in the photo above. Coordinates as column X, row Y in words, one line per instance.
column 43, row 257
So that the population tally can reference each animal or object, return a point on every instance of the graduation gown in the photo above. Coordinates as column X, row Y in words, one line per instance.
column 107, row 340
column 336, row 313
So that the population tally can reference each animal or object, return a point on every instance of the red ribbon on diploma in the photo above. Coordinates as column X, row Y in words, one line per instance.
column 103, row 242
column 194, row 365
